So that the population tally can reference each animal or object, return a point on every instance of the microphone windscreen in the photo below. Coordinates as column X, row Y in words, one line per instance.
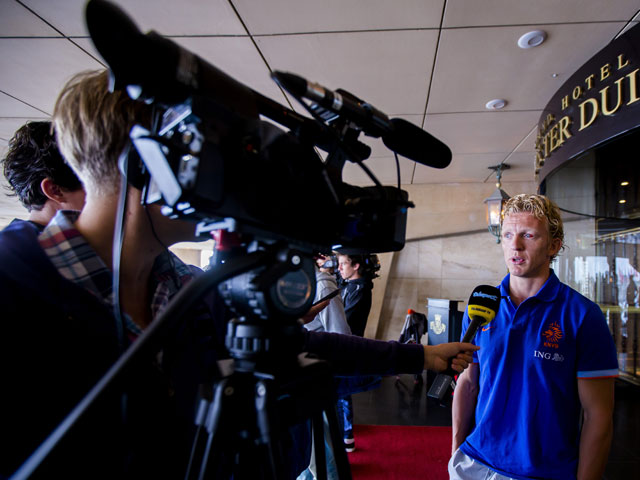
column 484, row 303
column 411, row 141
column 112, row 31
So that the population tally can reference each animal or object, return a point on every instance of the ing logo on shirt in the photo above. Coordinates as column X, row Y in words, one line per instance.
column 552, row 335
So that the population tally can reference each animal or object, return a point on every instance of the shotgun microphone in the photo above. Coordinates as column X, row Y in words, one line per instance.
column 398, row 135
column 482, row 307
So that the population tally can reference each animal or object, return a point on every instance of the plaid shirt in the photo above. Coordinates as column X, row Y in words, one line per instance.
column 76, row 261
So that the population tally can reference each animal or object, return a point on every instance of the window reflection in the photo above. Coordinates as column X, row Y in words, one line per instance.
column 602, row 236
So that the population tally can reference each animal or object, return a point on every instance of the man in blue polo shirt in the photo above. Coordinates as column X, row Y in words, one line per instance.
column 547, row 355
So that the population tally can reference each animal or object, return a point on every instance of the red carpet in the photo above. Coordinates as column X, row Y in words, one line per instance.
column 390, row 452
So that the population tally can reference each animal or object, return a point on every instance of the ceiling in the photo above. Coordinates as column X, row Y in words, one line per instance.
column 435, row 63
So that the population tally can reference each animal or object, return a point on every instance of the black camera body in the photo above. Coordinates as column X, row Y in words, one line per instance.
column 272, row 183
column 214, row 161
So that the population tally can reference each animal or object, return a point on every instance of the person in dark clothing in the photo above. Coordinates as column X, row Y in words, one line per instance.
column 357, row 273
column 61, row 334
column 38, row 175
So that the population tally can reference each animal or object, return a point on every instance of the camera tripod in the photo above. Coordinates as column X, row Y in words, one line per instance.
column 244, row 429
column 253, row 419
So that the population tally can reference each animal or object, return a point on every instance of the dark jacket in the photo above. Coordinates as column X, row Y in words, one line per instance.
column 357, row 304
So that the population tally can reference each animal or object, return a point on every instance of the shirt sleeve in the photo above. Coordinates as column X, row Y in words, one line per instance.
column 332, row 318
column 352, row 355
column 596, row 352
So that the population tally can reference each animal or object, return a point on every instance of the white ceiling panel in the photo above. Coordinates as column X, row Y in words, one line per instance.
column 13, row 108
column 237, row 57
column 384, row 169
column 490, row 132
column 16, row 20
column 529, row 143
column 285, row 16
column 391, row 70
column 168, row 17
column 36, row 69
column 464, row 168
column 475, row 65
column 85, row 43
column 526, row 12
column 521, row 167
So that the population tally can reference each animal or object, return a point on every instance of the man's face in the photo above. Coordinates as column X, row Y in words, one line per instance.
column 527, row 245
column 347, row 269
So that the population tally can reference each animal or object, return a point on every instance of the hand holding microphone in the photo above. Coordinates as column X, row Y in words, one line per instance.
column 482, row 307
column 455, row 356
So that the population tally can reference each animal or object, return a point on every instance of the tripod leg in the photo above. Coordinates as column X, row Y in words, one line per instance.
column 337, row 442
column 215, row 425
column 197, row 450
column 319, row 447
column 264, row 416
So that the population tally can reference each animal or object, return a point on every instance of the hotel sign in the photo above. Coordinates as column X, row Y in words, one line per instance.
column 600, row 101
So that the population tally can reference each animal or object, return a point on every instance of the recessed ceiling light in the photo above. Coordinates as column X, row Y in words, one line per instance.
column 622, row 201
column 624, row 184
column 532, row 39
column 496, row 104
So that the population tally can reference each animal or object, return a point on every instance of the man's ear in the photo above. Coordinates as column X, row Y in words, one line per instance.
column 52, row 190
column 554, row 247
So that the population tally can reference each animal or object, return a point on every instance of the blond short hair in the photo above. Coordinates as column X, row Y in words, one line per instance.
column 540, row 207
column 92, row 126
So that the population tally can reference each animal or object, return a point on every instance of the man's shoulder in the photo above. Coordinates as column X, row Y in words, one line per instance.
column 567, row 293
column 17, row 236
column 20, row 250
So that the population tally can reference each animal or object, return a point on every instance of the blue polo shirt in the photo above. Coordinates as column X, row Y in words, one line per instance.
column 531, row 356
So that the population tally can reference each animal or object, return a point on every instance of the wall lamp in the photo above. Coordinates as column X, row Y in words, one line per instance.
column 495, row 203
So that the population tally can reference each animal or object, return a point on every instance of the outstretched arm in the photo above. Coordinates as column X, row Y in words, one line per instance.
column 351, row 355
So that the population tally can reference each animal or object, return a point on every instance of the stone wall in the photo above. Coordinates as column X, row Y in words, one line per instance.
column 448, row 253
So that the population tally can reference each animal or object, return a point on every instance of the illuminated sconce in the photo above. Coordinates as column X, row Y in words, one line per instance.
column 495, row 203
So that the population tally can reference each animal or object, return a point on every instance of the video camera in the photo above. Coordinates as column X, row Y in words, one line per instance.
column 214, row 161
column 209, row 157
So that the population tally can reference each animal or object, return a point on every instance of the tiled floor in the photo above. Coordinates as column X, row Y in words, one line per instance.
column 403, row 402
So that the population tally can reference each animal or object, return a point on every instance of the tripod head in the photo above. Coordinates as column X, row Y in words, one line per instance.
column 268, row 303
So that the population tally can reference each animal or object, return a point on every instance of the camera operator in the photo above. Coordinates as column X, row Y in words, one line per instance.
column 332, row 318
column 60, row 333
column 357, row 273
column 38, row 175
